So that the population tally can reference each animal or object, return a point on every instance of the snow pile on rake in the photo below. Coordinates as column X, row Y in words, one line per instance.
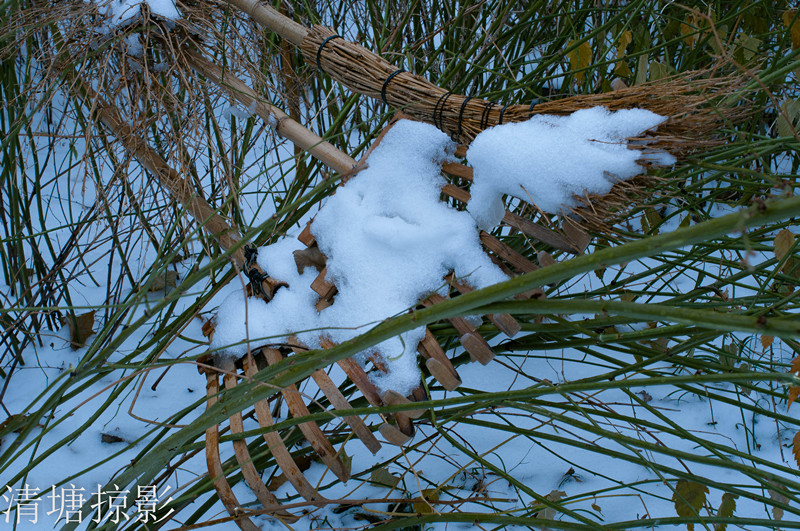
column 390, row 241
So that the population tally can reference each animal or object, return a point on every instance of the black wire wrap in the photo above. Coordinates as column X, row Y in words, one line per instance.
column 256, row 278
column 485, row 114
column 502, row 112
column 386, row 83
column 321, row 46
column 461, row 114
column 534, row 103
column 440, row 107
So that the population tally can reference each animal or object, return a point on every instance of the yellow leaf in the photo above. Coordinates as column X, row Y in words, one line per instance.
column 580, row 58
column 726, row 509
column 788, row 118
column 423, row 505
column 790, row 20
column 622, row 69
column 549, row 513
column 689, row 30
column 783, row 242
column 382, row 476
column 658, row 71
column 689, row 497
column 777, row 512
column 748, row 45
column 625, row 38
column 641, row 69
column 168, row 280
column 651, row 220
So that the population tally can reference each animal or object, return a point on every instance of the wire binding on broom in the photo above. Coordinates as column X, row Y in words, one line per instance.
column 321, row 46
column 684, row 99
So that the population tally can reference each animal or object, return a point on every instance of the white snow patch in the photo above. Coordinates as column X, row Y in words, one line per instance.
column 548, row 159
column 389, row 239
column 389, row 242
column 121, row 11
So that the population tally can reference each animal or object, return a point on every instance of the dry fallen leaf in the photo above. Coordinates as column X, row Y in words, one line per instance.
column 726, row 509
column 689, row 497
column 161, row 282
column 777, row 512
column 796, row 448
column 80, row 328
column 423, row 505
column 311, row 256
column 766, row 342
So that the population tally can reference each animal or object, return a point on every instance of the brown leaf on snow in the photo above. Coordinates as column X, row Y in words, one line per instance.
column 777, row 512
column 311, row 257
column 796, row 448
column 80, row 328
column 794, row 392
column 783, row 242
column 795, row 366
column 209, row 327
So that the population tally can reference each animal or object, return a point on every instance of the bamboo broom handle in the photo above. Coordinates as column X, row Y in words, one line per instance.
column 273, row 20
column 285, row 125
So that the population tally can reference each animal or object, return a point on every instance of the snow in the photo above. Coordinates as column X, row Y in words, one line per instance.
column 431, row 461
column 548, row 160
column 389, row 241
column 121, row 11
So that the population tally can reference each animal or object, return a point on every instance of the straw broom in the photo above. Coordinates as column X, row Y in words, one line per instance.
column 683, row 99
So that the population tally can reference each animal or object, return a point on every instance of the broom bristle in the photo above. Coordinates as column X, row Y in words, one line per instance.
column 691, row 102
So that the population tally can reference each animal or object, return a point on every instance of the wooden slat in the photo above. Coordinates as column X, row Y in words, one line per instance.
column 438, row 363
column 357, row 375
column 393, row 435
column 305, row 236
column 393, row 398
column 339, row 402
column 503, row 251
column 458, row 170
column 503, row 321
column 470, row 339
column 214, row 463
column 456, row 193
column 324, row 289
column 544, row 235
column 249, row 472
column 311, row 430
column 282, row 456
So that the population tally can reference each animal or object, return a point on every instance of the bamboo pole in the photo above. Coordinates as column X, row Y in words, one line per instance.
column 284, row 125
column 684, row 99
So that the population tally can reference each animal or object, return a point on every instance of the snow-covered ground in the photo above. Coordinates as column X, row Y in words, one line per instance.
column 605, row 452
